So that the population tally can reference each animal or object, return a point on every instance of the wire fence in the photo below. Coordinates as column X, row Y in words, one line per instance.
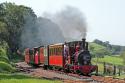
column 110, row 69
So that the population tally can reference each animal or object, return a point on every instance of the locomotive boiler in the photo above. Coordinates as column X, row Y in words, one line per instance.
column 69, row 56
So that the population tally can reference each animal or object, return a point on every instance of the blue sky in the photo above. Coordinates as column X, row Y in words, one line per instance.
column 105, row 18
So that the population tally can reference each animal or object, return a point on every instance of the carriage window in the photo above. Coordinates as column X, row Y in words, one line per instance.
column 31, row 52
column 41, row 51
column 55, row 51
column 52, row 51
column 44, row 52
column 60, row 51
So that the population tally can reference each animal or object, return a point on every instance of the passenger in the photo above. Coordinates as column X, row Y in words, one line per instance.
column 76, row 52
column 66, row 51
column 36, row 57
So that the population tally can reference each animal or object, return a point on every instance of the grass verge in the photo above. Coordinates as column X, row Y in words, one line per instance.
column 20, row 78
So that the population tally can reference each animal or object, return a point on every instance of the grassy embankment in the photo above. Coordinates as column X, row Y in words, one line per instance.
column 8, row 72
column 20, row 78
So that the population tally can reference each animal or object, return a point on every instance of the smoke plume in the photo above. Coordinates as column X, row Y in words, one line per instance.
column 71, row 22
column 66, row 25
column 49, row 32
column 39, row 32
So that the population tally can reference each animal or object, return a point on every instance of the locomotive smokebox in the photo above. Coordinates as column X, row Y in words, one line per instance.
column 83, row 43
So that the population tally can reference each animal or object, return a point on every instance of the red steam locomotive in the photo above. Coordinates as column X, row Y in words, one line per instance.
column 70, row 57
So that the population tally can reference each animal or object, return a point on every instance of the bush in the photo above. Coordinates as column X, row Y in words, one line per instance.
column 3, row 52
column 13, row 64
column 16, row 57
column 5, row 67
column 4, row 59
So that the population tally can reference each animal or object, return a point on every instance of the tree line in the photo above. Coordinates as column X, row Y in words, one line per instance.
column 114, row 49
column 14, row 19
column 20, row 27
column 107, row 49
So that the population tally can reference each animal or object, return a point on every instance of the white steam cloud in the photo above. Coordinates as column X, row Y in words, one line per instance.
column 71, row 22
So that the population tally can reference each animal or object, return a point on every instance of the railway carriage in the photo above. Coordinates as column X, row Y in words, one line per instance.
column 34, row 56
column 56, row 55
column 71, row 56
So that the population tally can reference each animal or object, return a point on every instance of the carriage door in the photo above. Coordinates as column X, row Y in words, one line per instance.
column 36, row 55
column 41, row 59
column 27, row 55
column 31, row 56
column 46, row 59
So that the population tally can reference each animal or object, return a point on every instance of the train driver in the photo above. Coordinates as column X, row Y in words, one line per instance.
column 66, row 51
column 76, row 52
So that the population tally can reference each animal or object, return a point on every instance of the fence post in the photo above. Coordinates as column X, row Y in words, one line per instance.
column 114, row 73
column 97, row 71
column 104, row 68
column 119, row 71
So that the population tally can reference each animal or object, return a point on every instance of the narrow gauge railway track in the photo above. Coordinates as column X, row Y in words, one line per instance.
column 66, row 77
column 79, row 78
column 54, row 74
column 25, row 70
column 95, row 79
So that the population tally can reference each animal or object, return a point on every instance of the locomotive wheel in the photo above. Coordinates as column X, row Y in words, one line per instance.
column 50, row 67
column 45, row 67
column 59, row 69
column 34, row 65
column 78, row 72
column 66, row 70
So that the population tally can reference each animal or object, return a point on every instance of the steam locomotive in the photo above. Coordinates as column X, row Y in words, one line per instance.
column 69, row 56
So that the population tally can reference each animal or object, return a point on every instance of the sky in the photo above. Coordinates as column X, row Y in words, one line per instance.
column 105, row 18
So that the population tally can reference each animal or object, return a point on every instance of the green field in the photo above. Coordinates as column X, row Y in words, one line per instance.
column 19, row 78
column 116, row 60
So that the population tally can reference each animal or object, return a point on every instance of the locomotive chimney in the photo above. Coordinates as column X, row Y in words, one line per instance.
column 86, row 46
column 83, row 43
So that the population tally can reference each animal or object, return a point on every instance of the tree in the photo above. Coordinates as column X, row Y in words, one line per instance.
column 12, row 20
column 98, row 50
